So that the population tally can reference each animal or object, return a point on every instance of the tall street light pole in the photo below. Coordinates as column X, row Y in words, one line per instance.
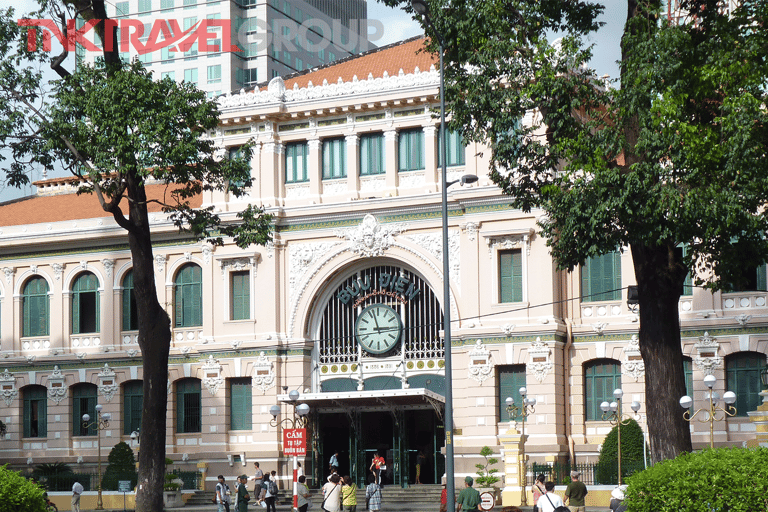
column 713, row 408
column 612, row 412
column 100, row 422
column 298, row 434
column 421, row 7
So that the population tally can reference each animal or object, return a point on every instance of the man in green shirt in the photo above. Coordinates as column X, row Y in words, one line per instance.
column 575, row 493
column 469, row 498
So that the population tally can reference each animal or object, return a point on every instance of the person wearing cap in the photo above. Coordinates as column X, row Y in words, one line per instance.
column 469, row 498
column 617, row 499
column 242, row 494
column 575, row 493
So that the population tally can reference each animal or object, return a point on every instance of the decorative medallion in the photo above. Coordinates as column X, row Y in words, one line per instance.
column 263, row 373
column 57, row 387
column 109, row 265
column 539, row 359
column 107, row 383
column 633, row 363
column 707, row 359
column 212, row 379
column 9, row 271
column 480, row 364
column 371, row 239
column 471, row 229
column 8, row 387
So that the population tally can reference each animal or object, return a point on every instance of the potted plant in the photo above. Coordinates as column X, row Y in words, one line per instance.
column 486, row 475
column 172, row 489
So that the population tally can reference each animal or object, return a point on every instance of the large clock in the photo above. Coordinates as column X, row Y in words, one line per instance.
column 378, row 328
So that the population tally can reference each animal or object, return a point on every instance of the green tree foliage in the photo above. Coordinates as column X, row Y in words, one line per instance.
column 115, row 129
column 732, row 479
column 122, row 466
column 631, row 453
column 671, row 155
column 18, row 493
column 486, row 474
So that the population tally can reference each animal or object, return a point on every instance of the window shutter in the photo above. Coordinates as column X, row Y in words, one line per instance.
column 240, row 417
column 76, row 312
column 511, row 379
column 180, row 407
column 241, row 300
column 510, row 276
column 27, row 414
column 760, row 278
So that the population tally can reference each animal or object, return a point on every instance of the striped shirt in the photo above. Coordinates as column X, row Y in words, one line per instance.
column 373, row 495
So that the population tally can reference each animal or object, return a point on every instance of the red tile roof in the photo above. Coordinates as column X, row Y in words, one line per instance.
column 63, row 207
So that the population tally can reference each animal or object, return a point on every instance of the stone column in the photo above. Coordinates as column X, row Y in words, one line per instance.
column 760, row 419
column 512, row 442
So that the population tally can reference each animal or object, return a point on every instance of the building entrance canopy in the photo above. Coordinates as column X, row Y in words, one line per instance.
column 374, row 399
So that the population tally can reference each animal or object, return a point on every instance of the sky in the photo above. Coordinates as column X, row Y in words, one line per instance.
column 398, row 25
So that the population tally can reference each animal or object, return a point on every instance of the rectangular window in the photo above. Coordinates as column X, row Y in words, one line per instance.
column 510, row 276
column 241, row 296
column 510, row 379
column 296, row 162
column 214, row 74
column 190, row 75
column 334, row 158
column 601, row 278
column 240, row 404
column 145, row 6
column 84, row 402
column 410, row 150
column 121, row 9
column 168, row 74
column 372, row 154
column 455, row 151
column 600, row 379
column 35, row 412
column 133, row 401
column 166, row 4
column 166, row 55
column 190, row 4
column 145, row 58
column 188, row 406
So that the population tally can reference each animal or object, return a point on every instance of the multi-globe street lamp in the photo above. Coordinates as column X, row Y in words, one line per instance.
column 513, row 410
column 100, row 422
column 422, row 8
column 298, row 421
column 712, row 409
column 612, row 412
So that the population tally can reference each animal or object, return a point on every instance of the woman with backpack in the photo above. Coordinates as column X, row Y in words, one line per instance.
column 268, row 492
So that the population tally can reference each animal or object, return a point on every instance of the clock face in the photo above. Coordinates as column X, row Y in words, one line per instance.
column 378, row 328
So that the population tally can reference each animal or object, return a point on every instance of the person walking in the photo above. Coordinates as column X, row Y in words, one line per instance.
column 242, row 494
column 421, row 460
column 378, row 464
column 348, row 494
column 373, row 494
column 268, row 492
column 222, row 495
column 469, row 497
column 303, row 494
column 575, row 493
column 77, row 490
column 333, row 464
column 538, row 490
column 258, row 477
column 332, row 494
column 549, row 501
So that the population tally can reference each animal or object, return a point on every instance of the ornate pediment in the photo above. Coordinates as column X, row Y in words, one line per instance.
column 263, row 373
column 371, row 239
column 212, row 379
column 480, row 363
column 107, row 383
column 633, row 363
column 539, row 359
column 8, row 387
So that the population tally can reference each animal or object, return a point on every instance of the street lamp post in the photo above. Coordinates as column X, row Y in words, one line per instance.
column 101, row 422
column 526, row 408
column 612, row 412
column 298, row 421
column 421, row 7
column 729, row 397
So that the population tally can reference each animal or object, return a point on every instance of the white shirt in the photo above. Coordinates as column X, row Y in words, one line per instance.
column 77, row 488
column 548, row 502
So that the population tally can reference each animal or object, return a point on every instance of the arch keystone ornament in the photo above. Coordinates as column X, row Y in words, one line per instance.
column 633, row 361
column 539, row 359
column 480, row 364
column 57, row 387
column 107, row 383
column 370, row 238
column 212, row 379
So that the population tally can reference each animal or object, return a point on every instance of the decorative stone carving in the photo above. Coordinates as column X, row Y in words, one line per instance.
column 263, row 373
column 508, row 328
column 33, row 269
column 84, row 265
column 107, row 383
column 707, row 359
column 371, row 239
column 236, row 345
column 433, row 244
column 108, row 265
column 31, row 359
column 8, row 387
column 235, row 265
column 633, row 363
column 743, row 319
column 539, row 360
column 132, row 352
column 510, row 241
column 599, row 327
column 160, row 261
column 480, row 364
column 57, row 387
column 471, row 229
column 9, row 271
column 212, row 379
column 207, row 250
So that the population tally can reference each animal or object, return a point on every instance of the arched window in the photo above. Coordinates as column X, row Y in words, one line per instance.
column 130, row 317
column 188, row 406
column 35, row 307
column 133, row 401
column 85, row 304
column 743, row 375
column 189, row 296
column 83, row 402
column 35, row 411
column 601, row 377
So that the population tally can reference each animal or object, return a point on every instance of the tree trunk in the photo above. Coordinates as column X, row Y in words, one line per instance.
column 154, row 340
column 660, row 276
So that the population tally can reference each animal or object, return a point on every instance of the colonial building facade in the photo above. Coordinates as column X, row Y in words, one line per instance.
column 344, row 306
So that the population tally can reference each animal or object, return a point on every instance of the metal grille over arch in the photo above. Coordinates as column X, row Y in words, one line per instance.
column 397, row 287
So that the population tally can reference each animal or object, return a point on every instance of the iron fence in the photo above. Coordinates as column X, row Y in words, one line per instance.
column 595, row 473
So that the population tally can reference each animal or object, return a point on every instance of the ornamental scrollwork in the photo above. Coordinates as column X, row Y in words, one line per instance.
column 539, row 359
column 480, row 364
column 633, row 363
column 263, row 373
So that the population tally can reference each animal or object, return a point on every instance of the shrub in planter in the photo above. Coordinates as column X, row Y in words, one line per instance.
column 18, row 493
column 122, row 466
column 631, row 453
column 486, row 475
column 720, row 480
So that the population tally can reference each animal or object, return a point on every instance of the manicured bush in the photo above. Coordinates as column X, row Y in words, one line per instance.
column 631, row 453
column 18, row 493
column 720, row 480
column 122, row 466
column 486, row 474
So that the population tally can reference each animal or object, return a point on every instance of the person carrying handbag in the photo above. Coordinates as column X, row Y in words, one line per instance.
column 538, row 490
column 332, row 493
column 372, row 494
